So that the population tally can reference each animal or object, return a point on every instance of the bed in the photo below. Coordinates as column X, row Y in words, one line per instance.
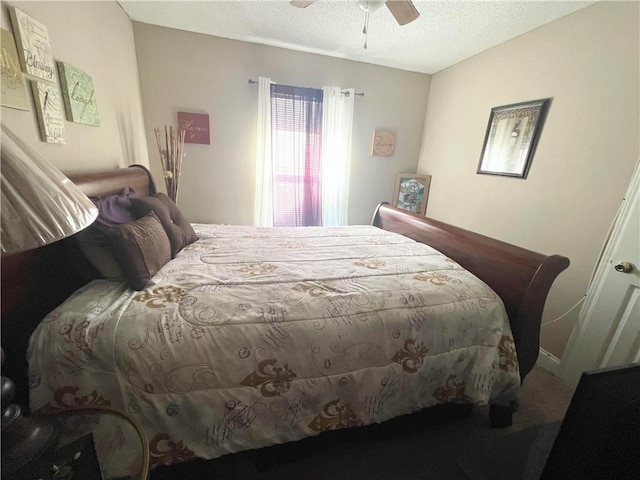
column 251, row 337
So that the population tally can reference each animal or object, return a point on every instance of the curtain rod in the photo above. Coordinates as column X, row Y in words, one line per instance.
column 359, row 94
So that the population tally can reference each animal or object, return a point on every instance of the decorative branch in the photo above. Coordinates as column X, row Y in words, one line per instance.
column 171, row 149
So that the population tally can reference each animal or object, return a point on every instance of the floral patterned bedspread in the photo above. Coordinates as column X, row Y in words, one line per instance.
column 256, row 336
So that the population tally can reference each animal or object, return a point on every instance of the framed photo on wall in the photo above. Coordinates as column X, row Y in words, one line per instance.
column 511, row 138
column 411, row 192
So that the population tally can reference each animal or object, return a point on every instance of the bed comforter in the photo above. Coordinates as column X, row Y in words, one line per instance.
column 255, row 336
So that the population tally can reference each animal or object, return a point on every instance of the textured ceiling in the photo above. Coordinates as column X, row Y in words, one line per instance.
column 446, row 32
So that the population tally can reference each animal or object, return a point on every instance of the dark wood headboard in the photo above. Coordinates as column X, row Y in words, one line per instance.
column 37, row 281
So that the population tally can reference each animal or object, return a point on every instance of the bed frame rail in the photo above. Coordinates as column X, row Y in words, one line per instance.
column 35, row 282
column 522, row 278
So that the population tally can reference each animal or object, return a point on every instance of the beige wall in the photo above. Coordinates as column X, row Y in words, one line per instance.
column 96, row 37
column 182, row 71
column 588, row 64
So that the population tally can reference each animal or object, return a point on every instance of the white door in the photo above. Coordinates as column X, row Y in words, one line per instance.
column 608, row 328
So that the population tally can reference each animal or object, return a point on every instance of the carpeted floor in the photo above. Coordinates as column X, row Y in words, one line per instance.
column 402, row 449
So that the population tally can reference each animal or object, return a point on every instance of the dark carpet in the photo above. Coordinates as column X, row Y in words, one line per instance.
column 426, row 446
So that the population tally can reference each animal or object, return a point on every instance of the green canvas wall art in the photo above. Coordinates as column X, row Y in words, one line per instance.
column 79, row 95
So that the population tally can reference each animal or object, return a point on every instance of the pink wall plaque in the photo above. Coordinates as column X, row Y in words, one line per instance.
column 196, row 127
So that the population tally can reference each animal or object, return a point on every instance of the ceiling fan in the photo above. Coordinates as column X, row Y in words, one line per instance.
column 402, row 10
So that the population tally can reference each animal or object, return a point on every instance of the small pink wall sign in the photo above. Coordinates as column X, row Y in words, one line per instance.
column 196, row 127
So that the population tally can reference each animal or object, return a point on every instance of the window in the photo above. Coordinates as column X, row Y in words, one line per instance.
column 303, row 155
column 296, row 148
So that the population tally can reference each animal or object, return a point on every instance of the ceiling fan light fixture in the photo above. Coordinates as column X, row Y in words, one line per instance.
column 302, row 3
column 370, row 5
column 403, row 11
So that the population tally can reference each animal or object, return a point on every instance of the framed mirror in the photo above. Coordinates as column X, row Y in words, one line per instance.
column 511, row 137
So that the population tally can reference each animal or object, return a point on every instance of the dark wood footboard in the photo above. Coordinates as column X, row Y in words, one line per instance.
column 521, row 277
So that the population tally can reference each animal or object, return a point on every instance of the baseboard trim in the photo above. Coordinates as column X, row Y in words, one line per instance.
column 549, row 362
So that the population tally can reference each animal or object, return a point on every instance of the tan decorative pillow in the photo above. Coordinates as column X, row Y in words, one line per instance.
column 179, row 230
column 141, row 249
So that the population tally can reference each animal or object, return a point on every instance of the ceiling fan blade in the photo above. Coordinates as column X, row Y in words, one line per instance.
column 403, row 11
column 302, row 3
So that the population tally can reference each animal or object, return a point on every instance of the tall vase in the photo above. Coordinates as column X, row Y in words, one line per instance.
column 171, row 149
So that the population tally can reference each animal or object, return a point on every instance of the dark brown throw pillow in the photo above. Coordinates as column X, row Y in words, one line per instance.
column 141, row 248
column 179, row 230
column 93, row 243
column 112, row 210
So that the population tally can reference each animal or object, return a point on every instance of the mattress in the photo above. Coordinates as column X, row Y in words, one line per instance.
column 257, row 336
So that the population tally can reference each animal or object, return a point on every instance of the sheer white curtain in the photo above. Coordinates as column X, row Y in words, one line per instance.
column 337, row 124
column 263, row 209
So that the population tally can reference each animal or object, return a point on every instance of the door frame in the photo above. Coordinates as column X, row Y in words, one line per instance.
column 571, row 365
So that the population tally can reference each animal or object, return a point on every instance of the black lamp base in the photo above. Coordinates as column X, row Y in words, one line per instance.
column 25, row 439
